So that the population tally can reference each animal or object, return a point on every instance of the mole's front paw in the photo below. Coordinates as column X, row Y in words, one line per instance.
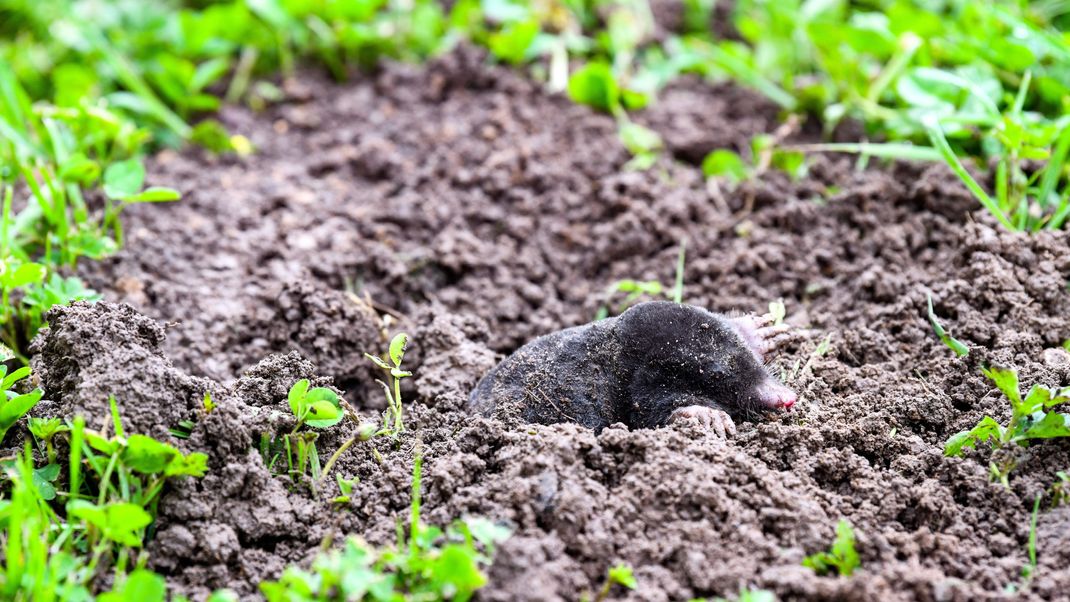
column 705, row 417
column 761, row 334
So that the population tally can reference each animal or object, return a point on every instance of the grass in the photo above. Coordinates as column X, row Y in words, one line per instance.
column 945, row 337
column 67, row 526
column 427, row 563
column 1033, row 418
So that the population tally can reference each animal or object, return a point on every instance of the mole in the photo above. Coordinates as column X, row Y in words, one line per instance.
column 657, row 363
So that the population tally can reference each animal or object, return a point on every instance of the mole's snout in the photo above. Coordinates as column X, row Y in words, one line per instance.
column 774, row 395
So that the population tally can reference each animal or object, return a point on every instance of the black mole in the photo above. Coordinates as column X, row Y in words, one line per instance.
column 656, row 363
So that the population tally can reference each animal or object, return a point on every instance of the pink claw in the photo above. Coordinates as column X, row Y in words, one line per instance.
column 760, row 334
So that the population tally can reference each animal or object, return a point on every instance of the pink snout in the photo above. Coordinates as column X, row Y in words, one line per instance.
column 776, row 396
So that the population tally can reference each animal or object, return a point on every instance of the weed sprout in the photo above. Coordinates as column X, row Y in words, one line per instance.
column 841, row 558
column 952, row 343
column 429, row 563
column 15, row 405
column 620, row 574
column 392, row 420
column 1032, row 418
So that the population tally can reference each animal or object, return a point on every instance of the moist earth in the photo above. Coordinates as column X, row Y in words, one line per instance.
column 462, row 202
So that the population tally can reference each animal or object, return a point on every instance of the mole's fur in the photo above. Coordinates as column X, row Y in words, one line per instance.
column 655, row 363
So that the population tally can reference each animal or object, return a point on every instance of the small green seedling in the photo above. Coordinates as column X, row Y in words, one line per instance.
column 15, row 405
column 1032, row 418
column 644, row 144
column 620, row 574
column 800, row 368
column 345, row 486
column 778, row 312
column 841, row 558
column 1060, row 489
column 596, row 85
column 952, row 343
column 123, row 185
column 634, row 289
column 183, row 430
column 766, row 154
column 392, row 420
column 430, row 563
column 364, row 432
column 185, row 427
column 45, row 430
column 319, row 407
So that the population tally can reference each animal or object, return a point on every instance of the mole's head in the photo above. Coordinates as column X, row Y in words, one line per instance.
column 706, row 354
column 758, row 390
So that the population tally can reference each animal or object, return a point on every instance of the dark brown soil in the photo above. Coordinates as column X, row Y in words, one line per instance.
column 479, row 212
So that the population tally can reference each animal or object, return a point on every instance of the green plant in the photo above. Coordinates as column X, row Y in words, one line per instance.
column 59, row 551
column 766, row 153
column 1022, row 201
column 644, row 144
column 317, row 407
column 749, row 595
column 841, row 557
column 620, row 574
column 952, row 343
column 429, row 564
column 1032, row 418
column 15, row 405
column 345, row 486
column 778, row 312
column 1060, row 489
column 596, row 85
column 634, row 289
column 392, row 419
column 45, row 430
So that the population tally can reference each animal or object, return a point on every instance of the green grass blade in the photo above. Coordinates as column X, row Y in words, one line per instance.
column 751, row 77
column 936, row 136
column 133, row 81
column 1023, row 91
column 908, row 47
column 678, row 289
column 884, row 150
column 1054, row 169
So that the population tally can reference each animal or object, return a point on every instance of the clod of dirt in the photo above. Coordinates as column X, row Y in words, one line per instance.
column 92, row 352
column 331, row 328
column 451, row 352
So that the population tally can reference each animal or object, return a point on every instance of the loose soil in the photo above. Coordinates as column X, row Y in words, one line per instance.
column 477, row 211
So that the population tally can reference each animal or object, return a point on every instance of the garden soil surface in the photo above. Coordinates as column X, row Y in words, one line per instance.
column 463, row 203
